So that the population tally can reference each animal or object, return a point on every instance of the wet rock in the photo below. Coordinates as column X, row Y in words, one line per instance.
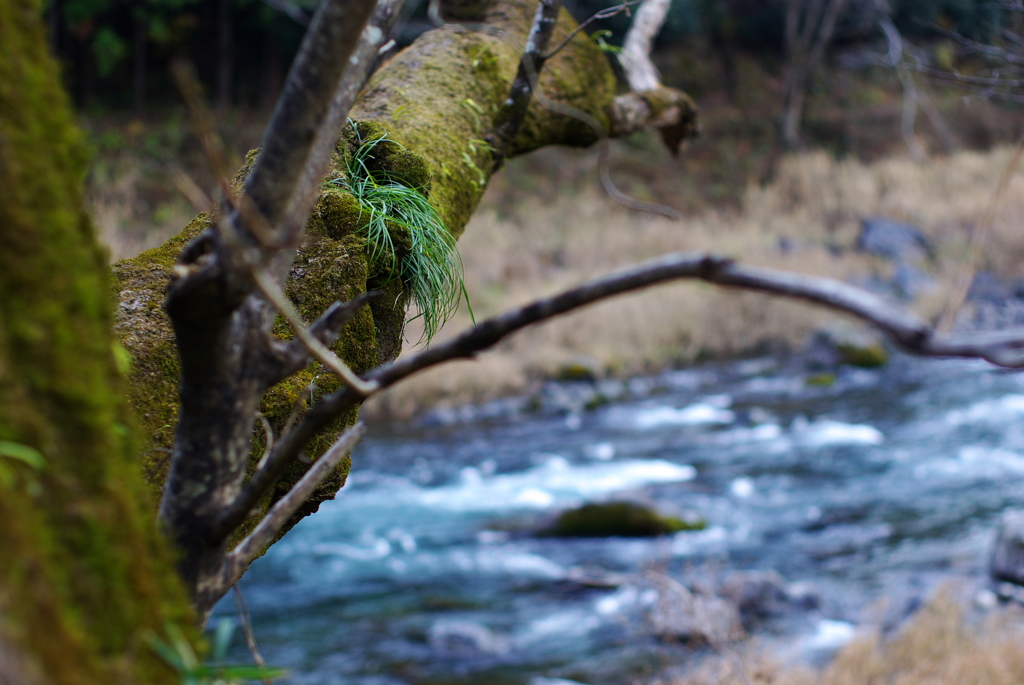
column 1009, row 592
column 564, row 398
column 617, row 519
column 465, row 637
column 821, row 380
column 839, row 345
column 910, row 282
column 553, row 681
column 987, row 287
column 676, row 613
column 579, row 368
column 804, row 596
column 757, row 594
column 995, row 304
column 1008, row 558
column 893, row 240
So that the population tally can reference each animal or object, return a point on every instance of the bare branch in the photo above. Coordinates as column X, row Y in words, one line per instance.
column 606, row 13
column 326, row 329
column 360, row 68
column 913, row 97
column 272, row 291
column 641, row 74
column 308, row 344
column 510, row 120
column 291, row 9
column 251, row 547
column 901, row 326
column 219, row 318
column 295, row 129
column 245, row 619
column 977, row 238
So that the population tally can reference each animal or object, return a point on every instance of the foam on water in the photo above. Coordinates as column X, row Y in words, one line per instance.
column 646, row 418
column 556, row 482
column 996, row 411
column 973, row 461
column 824, row 432
column 831, row 635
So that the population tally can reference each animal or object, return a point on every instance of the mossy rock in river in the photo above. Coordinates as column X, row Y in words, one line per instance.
column 616, row 519
column 871, row 356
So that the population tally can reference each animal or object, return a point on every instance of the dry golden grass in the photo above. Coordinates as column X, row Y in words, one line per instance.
column 814, row 201
column 516, row 250
column 937, row 647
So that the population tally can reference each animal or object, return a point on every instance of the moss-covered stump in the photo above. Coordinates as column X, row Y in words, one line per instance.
column 616, row 519
column 438, row 100
column 84, row 574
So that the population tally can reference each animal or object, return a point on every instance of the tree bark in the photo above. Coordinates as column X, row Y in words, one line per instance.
column 439, row 100
column 85, row 574
column 810, row 25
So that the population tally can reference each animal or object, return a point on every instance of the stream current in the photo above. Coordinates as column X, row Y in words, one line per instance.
column 426, row 569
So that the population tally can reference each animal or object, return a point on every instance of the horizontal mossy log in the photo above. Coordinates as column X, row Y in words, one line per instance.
column 438, row 100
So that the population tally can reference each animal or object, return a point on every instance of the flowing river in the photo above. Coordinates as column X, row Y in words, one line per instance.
column 426, row 568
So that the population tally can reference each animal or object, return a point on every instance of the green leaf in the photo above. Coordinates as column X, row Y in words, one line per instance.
column 222, row 638
column 109, row 50
column 22, row 453
column 122, row 358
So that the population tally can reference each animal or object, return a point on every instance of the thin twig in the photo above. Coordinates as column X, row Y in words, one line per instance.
column 605, row 174
column 268, row 433
column 272, row 291
column 245, row 619
column 249, row 548
column 268, row 286
column 291, row 9
column 513, row 113
column 606, row 13
column 901, row 326
column 975, row 242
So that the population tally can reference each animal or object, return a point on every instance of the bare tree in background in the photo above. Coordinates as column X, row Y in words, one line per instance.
column 905, row 58
column 810, row 26
column 1003, row 52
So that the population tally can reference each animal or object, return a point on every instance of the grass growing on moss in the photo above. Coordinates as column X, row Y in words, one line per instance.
column 407, row 236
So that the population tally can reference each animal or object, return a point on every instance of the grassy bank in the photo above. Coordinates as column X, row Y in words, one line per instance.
column 516, row 251
column 546, row 225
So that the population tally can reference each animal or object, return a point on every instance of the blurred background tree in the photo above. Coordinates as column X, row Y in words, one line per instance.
column 115, row 53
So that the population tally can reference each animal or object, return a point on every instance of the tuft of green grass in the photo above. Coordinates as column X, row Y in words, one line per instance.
column 426, row 257
column 177, row 652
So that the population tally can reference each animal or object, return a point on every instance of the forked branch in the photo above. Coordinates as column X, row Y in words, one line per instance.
column 251, row 547
column 901, row 326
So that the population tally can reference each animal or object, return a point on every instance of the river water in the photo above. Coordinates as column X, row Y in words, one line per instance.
column 425, row 568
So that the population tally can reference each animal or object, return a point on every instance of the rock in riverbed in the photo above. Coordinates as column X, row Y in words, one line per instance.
column 616, row 519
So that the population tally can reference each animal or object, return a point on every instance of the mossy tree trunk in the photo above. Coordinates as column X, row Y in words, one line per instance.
column 439, row 101
column 83, row 572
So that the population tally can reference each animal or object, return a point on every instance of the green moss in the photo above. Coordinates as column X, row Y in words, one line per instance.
column 821, row 380
column 438, row 100
column 577, row 371
column 92, row 573
column 617, row 519
column 870, row 356
column 441, row 96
